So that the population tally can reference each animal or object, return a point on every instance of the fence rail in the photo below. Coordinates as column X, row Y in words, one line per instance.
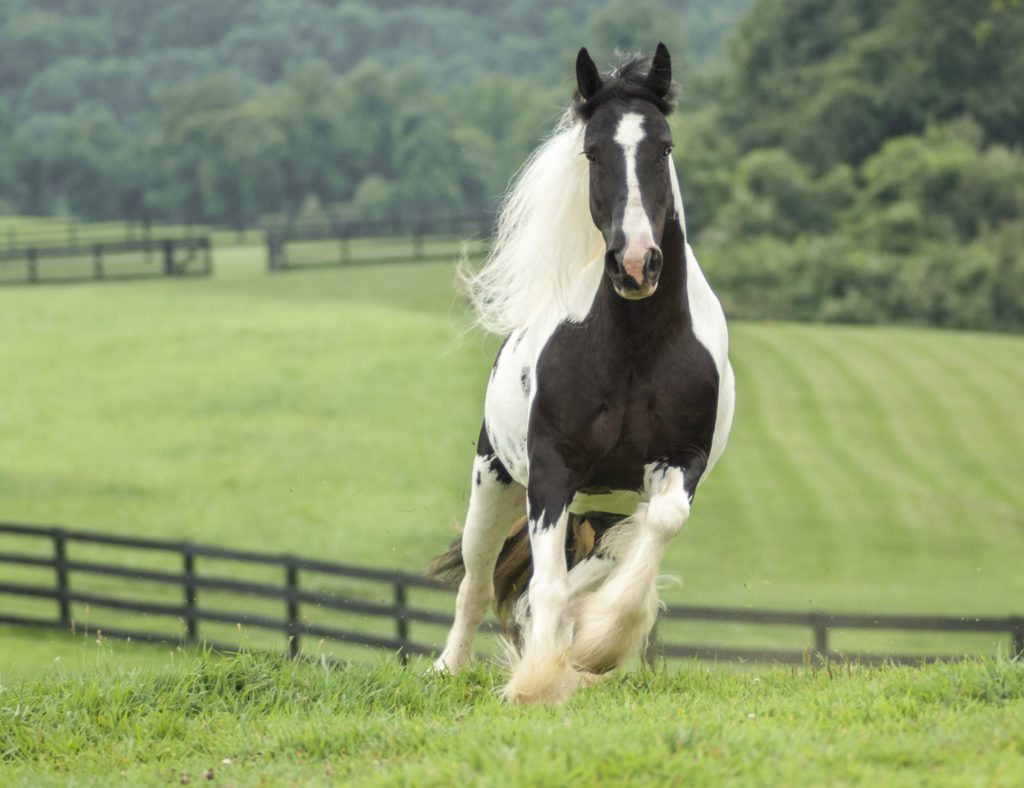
column 186, row 589
column 73, row 260
column 321, row 244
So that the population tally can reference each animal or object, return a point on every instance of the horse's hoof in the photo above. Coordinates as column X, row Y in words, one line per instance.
column 441, row 666
column 541, row 684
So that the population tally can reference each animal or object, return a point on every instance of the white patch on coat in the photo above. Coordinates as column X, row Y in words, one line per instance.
column 711, row 331
column 506, row 405
column 636, row 225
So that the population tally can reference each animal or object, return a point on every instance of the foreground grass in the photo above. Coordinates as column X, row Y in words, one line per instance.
column 258, row 719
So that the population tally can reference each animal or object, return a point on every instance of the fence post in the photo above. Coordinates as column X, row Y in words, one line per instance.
column 401, row 622
column 1017, row 624
column 168, row 246
column 60, row 562
column 292, row 583
column 207, row 256
column 417, row 242
column 191, row 617
column 275, row 251
column 268, row 239
column 32, row 266
column 97, row 261
column 820, row 634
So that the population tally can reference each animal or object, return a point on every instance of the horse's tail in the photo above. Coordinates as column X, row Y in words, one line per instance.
column 514, row 567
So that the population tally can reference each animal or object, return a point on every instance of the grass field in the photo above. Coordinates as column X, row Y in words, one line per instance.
column 252, row 720
column 333, row 413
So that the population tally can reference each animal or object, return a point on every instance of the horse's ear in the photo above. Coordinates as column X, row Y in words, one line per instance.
column 659, row 79
column 588, row 79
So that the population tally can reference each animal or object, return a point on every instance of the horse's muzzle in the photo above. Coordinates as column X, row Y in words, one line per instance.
column 634, row 272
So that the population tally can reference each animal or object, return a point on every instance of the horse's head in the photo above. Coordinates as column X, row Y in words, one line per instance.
column 628, row 144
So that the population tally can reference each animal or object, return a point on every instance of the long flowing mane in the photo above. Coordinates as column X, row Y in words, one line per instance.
column 545, row 235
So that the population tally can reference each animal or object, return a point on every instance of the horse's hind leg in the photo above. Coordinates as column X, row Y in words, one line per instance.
column 613, row 622
column 495, row 503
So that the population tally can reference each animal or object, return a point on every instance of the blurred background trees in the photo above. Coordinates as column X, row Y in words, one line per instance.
column 841, row 159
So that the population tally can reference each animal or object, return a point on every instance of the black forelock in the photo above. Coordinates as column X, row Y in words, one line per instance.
column 628, row 81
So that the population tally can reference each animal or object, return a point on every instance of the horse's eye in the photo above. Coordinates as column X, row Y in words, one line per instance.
column 590, row 155
column 667, row 153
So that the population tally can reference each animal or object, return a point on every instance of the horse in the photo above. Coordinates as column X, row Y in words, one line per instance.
column 610, row 400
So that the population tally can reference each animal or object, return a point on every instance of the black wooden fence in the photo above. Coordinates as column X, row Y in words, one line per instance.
column 185, row 586
column 45, row 260
column 318, row 244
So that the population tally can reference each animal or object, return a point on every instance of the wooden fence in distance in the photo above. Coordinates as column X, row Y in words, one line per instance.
column 185, row 588
column 51, row 261
column 315, row 245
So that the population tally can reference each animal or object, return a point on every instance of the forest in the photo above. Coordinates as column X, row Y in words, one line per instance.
column 848, row 160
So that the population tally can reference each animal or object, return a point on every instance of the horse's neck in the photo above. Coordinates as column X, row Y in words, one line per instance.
column 666, row 310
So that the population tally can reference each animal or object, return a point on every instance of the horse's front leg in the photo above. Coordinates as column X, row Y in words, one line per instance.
column 543, row 672
column 614, row 621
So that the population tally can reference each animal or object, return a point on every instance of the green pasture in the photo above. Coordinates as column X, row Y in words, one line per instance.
column 252, row 720
column 333, row 413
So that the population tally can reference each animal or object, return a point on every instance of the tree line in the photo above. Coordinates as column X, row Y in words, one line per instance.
column 865, row 163
column 224, row 112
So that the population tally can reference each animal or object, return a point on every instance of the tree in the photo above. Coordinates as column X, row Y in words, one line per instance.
column 648, row 23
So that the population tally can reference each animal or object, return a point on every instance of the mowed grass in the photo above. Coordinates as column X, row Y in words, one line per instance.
column 254, row 719
column 333, row 413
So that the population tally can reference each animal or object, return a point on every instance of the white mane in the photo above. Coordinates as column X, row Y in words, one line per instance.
column 545, row 236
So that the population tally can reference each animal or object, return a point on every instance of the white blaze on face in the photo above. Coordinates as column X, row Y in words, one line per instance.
column 636, row 225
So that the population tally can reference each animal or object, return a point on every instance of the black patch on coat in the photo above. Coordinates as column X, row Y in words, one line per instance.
column 629, row 385
column 485, row 451
column 524, row 378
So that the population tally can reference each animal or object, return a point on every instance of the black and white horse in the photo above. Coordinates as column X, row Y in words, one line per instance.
column 611, row 398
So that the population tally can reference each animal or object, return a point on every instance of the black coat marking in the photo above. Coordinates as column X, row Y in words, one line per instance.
column 485, row 450
column 628, row 386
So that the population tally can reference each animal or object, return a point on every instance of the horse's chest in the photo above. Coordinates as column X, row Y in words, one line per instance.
column 611, row 420
column 606, row 416
column 633, row 425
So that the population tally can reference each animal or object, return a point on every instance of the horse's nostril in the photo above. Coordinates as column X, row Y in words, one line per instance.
column 654, row 262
